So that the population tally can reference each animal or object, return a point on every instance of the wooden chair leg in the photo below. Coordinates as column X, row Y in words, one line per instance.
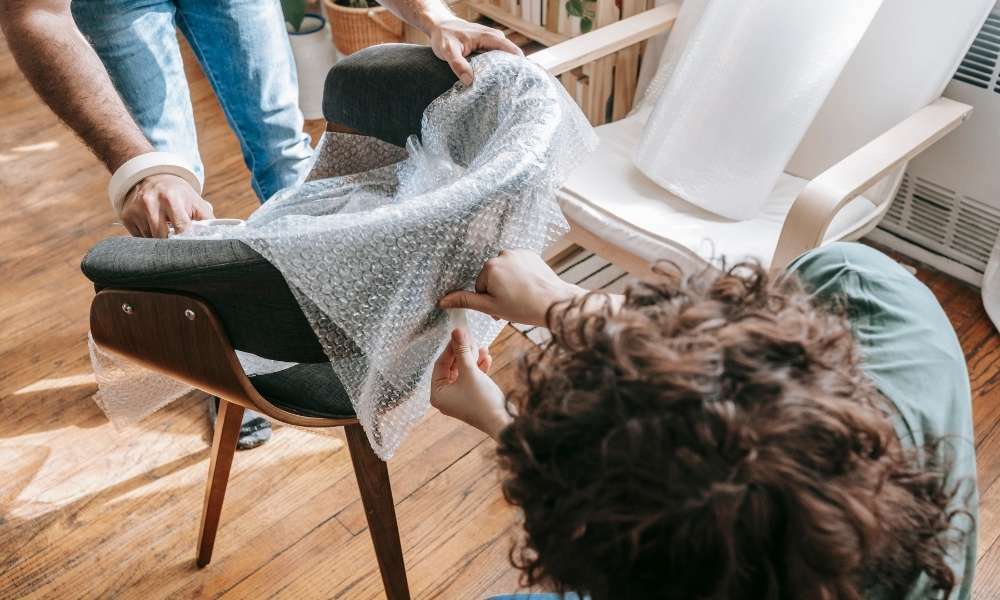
column 227, row 433
column 376, row 495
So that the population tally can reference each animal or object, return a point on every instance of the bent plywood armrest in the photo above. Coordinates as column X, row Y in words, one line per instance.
column 816, row 206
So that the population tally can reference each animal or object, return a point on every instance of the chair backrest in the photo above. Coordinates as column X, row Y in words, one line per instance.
column 903, row 63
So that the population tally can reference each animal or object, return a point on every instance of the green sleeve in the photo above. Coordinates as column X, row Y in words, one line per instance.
column 910, row 351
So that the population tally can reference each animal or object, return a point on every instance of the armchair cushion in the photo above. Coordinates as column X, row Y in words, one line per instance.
column 612, row 199
column 312, row 390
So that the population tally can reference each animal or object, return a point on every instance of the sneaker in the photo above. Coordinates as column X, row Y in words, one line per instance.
column 254, row 431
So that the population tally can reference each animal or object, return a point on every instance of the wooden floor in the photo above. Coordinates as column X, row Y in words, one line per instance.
column 88, row 511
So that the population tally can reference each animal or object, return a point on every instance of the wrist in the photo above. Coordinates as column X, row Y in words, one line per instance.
column 435, row 16
column 564, row 292
column 116, row 156
column 143, row 166
column 150, row 182
column 571, row 291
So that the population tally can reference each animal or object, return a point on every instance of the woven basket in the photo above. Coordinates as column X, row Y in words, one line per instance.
column 357, row 28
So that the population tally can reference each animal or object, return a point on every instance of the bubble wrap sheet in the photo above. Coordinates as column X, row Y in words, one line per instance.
column 736, row 91
column 368, row 255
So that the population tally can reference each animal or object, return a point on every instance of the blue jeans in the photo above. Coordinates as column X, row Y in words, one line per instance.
column 244, row 52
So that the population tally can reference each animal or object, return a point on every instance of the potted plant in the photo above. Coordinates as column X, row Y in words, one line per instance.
column 309, row 36
column 358, row 24
column 581, row 15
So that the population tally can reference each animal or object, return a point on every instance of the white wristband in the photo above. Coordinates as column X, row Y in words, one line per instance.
column 152, row 163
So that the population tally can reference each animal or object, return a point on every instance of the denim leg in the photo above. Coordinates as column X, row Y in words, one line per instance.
column 243, row 49
column 137, row 42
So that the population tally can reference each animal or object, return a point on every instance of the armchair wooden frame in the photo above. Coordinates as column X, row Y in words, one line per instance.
column 817, row 205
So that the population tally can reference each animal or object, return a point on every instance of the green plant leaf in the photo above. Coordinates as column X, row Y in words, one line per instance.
column 575, row 8
column 586, row 25
column 295, row 11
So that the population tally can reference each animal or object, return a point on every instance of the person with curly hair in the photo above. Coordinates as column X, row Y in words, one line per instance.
column 729, row 434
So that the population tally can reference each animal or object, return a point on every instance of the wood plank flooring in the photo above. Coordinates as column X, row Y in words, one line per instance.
column 91, row 512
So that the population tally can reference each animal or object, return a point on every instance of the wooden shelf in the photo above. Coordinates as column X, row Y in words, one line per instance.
column 526, row 28
column 603, row 87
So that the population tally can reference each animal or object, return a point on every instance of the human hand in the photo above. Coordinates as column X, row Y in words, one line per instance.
column 461, row 388
column 161, row 199
column 454, row 39
column 516, row 286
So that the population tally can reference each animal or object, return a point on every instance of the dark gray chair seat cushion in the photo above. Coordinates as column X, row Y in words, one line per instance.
column 312, row 390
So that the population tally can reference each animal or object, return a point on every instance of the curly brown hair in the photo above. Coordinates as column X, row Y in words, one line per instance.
column 715, row 437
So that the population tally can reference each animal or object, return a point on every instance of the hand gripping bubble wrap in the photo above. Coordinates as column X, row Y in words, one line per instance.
column 368, row 255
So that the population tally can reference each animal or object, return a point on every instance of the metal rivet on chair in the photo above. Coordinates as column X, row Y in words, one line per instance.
column 127, row 308
column 189, row 314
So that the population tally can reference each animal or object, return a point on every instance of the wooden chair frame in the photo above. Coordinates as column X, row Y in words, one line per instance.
column 180, row 336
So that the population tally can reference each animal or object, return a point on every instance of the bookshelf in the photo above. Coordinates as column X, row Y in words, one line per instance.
column 604, row 88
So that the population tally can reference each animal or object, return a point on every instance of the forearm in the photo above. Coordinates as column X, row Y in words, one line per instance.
column 69, row 76
column 614, row 302
column 425, row 15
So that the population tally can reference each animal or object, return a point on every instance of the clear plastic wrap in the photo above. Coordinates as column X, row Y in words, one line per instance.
column 368, row 255
column 125, row 391
column 736, row 91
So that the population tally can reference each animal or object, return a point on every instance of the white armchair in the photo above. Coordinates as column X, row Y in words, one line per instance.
column 885, row 108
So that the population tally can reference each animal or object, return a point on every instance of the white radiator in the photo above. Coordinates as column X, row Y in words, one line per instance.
column 947, row 210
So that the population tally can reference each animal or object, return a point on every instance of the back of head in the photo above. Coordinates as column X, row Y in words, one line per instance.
column 714, row 438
